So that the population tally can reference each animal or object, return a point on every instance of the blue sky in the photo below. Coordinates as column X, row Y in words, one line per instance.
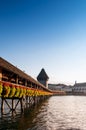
column 49, row 34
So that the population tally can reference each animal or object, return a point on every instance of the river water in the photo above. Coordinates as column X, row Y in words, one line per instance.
column 55, row 113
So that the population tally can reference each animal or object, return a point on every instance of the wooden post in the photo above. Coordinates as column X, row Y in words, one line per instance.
column 29, row 101
column 0, row 74
column 34, row 98
column 13, row 105
column 25, row 82
column 22, row 105
column 17, row 79
column 26, row 101
column 13, row 101
column 26, row 96
column 2, row 105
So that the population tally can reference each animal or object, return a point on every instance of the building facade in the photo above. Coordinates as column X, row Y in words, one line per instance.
column 79, row 88
column 61, row 87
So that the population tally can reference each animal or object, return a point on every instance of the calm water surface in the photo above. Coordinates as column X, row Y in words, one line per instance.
column 56, row 113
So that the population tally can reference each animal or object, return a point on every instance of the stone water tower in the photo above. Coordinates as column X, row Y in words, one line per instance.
column 43, row 78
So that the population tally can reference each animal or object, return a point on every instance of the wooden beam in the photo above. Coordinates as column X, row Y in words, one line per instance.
column 7, row 104
column 17, row 104
column 0, row 74
column 2, row 105
column 17, row 80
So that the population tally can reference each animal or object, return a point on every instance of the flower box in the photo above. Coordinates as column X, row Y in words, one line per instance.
column 6, row 90
column 21, row 92
column 17, row 93
column 12, row 91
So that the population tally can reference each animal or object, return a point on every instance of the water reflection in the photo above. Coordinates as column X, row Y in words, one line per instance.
column 56, row 113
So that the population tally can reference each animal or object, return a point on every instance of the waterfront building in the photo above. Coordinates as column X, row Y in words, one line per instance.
column 67, row 89
column 61, row 87
column 76, row 89
column 79, row 88
column 43, row 78
column 55, row 86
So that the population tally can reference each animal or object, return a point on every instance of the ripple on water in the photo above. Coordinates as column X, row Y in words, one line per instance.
column 56, row 113
column 63, row 113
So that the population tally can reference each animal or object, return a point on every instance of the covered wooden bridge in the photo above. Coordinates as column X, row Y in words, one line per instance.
column 16, row 84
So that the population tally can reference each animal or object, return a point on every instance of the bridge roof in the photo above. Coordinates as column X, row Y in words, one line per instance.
column 9, row 67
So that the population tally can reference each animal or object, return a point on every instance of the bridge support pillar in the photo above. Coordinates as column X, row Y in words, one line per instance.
column 22, row 105
column 2, row 105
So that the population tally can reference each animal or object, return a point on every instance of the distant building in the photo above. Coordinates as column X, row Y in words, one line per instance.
column 76, row 89
column 61, row 87
column 79, row 88
column 67, row 89
column 55, row 86
column 43, row 78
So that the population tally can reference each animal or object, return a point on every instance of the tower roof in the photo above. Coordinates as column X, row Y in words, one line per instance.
column 42, row 75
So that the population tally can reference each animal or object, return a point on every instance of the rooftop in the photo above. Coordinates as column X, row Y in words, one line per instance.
column 42, row 75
